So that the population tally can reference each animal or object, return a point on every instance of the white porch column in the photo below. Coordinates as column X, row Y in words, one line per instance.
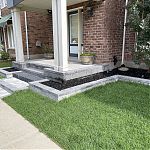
column 79, row 32
column 17, row 35
column 59, row 11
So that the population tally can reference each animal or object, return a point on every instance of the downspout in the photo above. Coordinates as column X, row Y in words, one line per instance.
column 5, row 38
column 27, row 38
column 124, row 34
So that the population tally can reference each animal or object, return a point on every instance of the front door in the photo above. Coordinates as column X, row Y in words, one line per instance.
column 73, row 33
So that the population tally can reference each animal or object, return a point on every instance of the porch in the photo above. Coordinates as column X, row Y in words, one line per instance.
column 35, row 70
column 66, row 43
column 73, row 63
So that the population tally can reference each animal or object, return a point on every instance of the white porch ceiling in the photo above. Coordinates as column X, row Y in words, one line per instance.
column 43, row 4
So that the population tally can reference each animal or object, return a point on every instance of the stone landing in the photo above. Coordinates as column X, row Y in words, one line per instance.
column 45, row 69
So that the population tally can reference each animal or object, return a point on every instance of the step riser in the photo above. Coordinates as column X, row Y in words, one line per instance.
column 6, row 88
column 27, row 77
column 37, row 66
column 22, row 78
column 41, row 75
column 4, row 93
column 34, row 66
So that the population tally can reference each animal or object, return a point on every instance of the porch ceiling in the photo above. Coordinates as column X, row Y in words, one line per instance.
column 43, row 4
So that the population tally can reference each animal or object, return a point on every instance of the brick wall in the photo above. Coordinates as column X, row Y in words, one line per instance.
column 39, row 29
column 5, row 11
column 103, row 32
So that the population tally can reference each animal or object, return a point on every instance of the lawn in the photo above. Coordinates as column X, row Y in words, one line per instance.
column 1, row 77
column 5, row 64
column 115, row 116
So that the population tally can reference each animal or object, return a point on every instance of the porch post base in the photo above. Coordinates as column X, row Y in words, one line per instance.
column 19, row 65
column 59, row 68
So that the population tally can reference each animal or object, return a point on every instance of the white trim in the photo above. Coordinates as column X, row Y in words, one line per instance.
column 10, row 36
column 3, row 3
column 75, row 9
column 124, row 33
column 4, row 32
column 80, row 32
column 79, row 15
column 70, row 23
column 27, row 38
column 17, row 34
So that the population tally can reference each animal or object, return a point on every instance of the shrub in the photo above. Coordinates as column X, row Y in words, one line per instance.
column 4, row 55
column 46, row 49
column 88, row 54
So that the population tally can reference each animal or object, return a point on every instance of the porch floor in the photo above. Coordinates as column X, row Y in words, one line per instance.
column 72, row 65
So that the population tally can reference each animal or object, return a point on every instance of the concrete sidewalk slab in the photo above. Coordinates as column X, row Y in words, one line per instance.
column 18, row 133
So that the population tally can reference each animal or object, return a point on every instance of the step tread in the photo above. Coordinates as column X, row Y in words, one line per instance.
column 13, row 84
column 38, row 66
column 4, row 93
column 34, row 70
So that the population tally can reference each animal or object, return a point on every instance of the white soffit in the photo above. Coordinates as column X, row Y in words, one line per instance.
column 44, row 4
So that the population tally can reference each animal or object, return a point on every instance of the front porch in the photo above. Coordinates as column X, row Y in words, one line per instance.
column 65, row 43
column 73, row 64
column 34, row 70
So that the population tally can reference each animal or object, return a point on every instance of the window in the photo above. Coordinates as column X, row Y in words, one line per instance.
column 74, row 28
column 3, row 3
column 10, row 36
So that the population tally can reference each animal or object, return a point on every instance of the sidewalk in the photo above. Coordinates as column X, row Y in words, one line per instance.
column 17, row 133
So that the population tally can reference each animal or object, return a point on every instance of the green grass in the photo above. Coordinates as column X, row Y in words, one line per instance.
column 115, row 116
column 5, row 64
column 1, row 77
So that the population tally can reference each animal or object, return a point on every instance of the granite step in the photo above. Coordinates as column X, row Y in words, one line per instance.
column 4, row 93
column 27, row 77
column 13, row 85
column 36, row 72
column 38, row 66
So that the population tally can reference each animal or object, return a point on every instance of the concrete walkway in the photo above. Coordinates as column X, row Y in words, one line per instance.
column 17, row 133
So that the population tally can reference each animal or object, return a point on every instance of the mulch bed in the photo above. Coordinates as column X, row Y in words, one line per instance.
column 13, row 69
column 61, row 85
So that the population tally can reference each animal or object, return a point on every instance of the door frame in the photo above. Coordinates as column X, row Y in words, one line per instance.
column 70, row 44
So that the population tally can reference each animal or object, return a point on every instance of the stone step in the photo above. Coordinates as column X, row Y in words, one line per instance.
column 38, row 66
column 36, row 72
column 13, row 84
column 27, row 77
column 4, row 93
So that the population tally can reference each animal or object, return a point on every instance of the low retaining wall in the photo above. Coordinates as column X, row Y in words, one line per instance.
column 60, row 95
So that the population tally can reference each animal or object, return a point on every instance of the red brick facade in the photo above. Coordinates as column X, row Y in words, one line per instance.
column 39, row 29
column 102, row 33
